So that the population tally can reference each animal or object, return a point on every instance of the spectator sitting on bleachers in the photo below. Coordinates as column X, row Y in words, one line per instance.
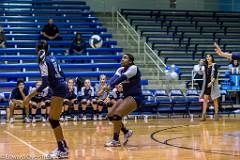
column 2, row 38
column 16, row 100
column 38, row 102
column 78, row 46
column 198, row 73
column 101, row 94
column 50, row 31
column 233, row 67
column 70, row 101
column 87, row 98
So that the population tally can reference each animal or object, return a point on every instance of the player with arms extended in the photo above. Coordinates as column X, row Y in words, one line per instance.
column 129, row 76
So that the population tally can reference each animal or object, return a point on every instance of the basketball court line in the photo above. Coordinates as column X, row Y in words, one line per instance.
column 166, row 142
column 25, row 143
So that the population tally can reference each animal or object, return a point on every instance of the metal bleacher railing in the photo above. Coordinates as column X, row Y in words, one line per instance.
column 132, row 34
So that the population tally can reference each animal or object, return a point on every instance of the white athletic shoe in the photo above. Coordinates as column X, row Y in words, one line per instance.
column 113, row 143
column 27, row 120
column 84, row 118
column 11, row 120
column 126, row 136
column 61, row 119
column 44, row 119
column 75, row 118
column 34, row 120
column 66, row 118
column 94, row 117
column 58, row 154
column 100, row 117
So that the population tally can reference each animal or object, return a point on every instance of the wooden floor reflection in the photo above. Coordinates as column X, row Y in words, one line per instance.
column 163, row 139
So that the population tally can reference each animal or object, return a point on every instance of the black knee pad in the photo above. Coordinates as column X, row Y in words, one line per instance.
column 43, row 106
column 84, row 102
column 66, row 103
column 101, row 103
column 34, row 107
column 109, row 104
column 75, row 102
column 109, row 118
column 54, row 123
column 114, row 118
column 94, row 102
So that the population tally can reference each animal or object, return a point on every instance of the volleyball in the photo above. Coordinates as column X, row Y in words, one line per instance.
column 95, row 41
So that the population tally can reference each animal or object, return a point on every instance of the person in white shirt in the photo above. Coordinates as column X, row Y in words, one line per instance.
column 198, row 73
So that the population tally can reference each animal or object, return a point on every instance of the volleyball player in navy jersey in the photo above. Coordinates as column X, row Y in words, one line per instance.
column 129, row 76
column 53, row 77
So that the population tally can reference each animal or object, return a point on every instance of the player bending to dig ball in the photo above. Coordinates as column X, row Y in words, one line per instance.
column 129, row 76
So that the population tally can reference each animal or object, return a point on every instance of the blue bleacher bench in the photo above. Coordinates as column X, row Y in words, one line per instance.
column 46, row 12
column 44, row 2
column 48, row 17
column 80, row 7
column 32, row 83
column 67, row 74
column 65, row 36
column 31, row 29
column 63, row 42
column 59, row 50
column 80, row 57
column 59, row 24
column 64, row 65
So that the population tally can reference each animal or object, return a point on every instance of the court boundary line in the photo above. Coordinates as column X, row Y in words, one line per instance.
column 165, row 142
column 24, row 142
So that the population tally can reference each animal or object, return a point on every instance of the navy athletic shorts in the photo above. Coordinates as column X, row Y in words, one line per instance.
column 60, row 90
column 138, row 100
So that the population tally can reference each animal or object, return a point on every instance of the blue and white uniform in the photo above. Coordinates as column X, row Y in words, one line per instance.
column 71, row 94
column 87, row 93
column 53, row 77
column 130, row 78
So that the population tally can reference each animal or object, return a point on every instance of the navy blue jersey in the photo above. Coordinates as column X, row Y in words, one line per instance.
column 71, row 94
column 87, row 93
column 16, row 94
column 51, row 73
column 131, row 80
column 235, row 56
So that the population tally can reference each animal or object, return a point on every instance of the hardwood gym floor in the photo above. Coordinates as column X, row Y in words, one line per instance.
column 160, row 139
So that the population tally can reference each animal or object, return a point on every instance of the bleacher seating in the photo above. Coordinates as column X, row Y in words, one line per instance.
column 186, row 35
column 22, row 30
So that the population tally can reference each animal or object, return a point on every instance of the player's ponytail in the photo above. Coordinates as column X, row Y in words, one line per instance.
column 42, row 50
column 42, row 45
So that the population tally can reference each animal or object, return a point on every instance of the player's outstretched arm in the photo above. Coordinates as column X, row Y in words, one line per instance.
column 221, row 53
